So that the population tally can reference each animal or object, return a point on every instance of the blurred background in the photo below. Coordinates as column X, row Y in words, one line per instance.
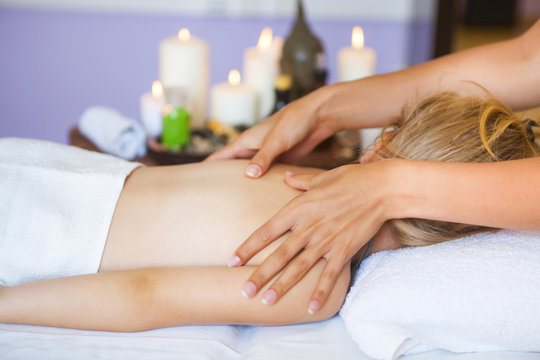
column 60, row 56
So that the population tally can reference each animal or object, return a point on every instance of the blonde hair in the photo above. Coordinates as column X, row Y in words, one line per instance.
column 453, row 128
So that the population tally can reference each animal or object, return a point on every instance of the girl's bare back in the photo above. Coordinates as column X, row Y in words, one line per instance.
column 192, row 215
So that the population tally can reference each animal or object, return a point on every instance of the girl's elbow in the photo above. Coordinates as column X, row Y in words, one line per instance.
column 336, row 297
column 330, row 307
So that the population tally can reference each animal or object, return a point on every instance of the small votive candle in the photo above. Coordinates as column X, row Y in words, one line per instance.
column 151, row 108
column 233, row 103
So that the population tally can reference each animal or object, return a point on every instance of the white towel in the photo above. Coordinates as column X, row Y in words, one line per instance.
column 56, row 207
column 112, row 132
column 479, row 293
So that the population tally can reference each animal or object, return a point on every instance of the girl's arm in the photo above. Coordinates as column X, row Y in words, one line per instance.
column 136, row 300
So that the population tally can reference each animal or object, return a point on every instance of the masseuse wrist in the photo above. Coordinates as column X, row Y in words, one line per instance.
column 327, row 106
column 402, row 188
column 423, row 189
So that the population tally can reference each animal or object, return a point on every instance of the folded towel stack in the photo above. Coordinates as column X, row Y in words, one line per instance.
column 479, row 293
column 113, row 133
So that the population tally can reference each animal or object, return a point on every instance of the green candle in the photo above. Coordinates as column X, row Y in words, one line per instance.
column 175, row 129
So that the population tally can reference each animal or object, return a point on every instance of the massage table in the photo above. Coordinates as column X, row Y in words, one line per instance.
column 496, row 273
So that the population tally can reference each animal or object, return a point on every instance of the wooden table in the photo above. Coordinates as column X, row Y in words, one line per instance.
column 338, row 151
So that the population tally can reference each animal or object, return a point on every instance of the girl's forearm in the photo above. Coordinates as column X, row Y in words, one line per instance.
column 509, row 69
column 136, row 300
column 501, row 194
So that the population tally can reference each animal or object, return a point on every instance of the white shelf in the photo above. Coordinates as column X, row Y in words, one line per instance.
column 396, row 10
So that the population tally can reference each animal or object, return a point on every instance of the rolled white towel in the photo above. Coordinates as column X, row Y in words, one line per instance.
column 478, row 293
column 112, row 132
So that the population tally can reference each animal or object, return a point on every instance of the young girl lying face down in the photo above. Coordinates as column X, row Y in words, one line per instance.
column 174, row 228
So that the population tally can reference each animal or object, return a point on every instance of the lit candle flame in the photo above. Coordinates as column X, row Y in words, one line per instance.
column 184, row 35
column 234, row 77
column 265, row 40
column 357, row 38
column 157, row 89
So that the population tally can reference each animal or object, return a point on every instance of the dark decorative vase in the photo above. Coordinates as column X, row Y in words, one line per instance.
column 299, row 55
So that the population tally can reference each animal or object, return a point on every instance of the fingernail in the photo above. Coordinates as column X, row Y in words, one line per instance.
column 269, row 297
column 313, row 306
column 234, row 261
column 289, row 173
column 249, row 289
column 253, row 171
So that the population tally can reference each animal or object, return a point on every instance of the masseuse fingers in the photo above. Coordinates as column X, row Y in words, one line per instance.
column 292, row 274
column 227, row 152
column 302, row 148
column 261, row 161
column 299, row 182
column 279, row 224
column 245, row 146
column 233, row 150
column 269, row 268
column 326, row 283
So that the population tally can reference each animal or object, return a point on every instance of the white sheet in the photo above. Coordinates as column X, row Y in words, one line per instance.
column 323, row 340
column 326, row 340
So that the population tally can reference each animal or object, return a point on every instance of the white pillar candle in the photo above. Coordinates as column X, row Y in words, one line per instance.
column 233, row 103
column 184, row 62
column 151, row 105
column 356, row 62
column 261, row 66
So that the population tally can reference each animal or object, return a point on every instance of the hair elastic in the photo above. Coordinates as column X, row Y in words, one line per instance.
column 356, row 266
column 368, row 250
column 529, row 124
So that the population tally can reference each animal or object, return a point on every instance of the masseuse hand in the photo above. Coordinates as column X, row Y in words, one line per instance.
column 292, row 132
column 338, row 213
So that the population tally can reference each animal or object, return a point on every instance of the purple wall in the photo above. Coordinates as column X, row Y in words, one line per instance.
column 55, row 64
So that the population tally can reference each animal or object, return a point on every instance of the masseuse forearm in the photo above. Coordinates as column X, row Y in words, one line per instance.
column 489, row 194
column 510, row 70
